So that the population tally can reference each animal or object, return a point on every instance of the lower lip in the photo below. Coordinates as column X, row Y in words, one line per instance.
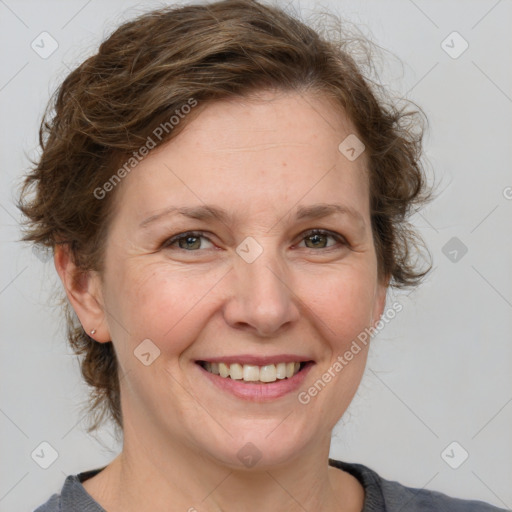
column 258, row 392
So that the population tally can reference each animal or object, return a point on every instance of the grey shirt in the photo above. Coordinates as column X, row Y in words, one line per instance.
column 380, row 495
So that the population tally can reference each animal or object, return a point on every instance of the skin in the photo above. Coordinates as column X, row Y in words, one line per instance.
column 259, row 158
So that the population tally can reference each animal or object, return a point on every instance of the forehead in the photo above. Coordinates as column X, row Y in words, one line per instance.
column 255, row 154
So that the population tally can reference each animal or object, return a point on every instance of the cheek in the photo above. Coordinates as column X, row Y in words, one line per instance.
column 161, row 304
column 341, row 301
column 171, row 307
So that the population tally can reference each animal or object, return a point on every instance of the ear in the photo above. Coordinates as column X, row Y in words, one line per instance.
column 83, row 290
column 380, row 299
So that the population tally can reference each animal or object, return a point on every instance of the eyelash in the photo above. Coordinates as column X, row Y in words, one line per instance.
column 339, row 238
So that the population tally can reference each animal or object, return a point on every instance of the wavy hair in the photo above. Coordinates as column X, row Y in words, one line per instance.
column 150, row 67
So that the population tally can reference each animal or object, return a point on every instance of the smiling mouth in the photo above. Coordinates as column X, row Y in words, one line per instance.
column 255, row 374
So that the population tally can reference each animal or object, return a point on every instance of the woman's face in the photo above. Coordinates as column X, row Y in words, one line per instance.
column 254, row 283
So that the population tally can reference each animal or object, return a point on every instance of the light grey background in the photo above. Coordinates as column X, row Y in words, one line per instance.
column 438, row 373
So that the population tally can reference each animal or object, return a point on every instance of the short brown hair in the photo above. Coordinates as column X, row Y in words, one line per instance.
column 147, row 70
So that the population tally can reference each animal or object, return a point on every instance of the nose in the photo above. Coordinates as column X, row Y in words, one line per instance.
column 261, row 297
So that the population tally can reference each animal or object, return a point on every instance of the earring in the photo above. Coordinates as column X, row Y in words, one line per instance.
column 93, row 332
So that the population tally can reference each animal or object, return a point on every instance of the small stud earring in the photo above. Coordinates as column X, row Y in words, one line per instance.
column 93, row 332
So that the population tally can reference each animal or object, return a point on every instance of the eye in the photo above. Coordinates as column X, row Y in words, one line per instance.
column 318, row 239
column 192, row 240
column 189, row 241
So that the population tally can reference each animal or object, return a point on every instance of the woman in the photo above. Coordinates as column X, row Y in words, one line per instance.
column 227, row 201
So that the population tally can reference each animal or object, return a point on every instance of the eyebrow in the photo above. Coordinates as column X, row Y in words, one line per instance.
column 210, row 212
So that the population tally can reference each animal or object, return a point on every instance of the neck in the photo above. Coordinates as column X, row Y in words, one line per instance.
column 146, row 477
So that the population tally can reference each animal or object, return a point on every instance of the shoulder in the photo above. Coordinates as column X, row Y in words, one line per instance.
column 73, row 496
column 391, row 496
column 52, row 505
column 397, row 496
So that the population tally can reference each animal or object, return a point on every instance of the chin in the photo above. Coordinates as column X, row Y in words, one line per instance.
column 263, row 447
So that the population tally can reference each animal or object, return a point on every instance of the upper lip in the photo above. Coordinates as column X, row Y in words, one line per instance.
column 257, row 360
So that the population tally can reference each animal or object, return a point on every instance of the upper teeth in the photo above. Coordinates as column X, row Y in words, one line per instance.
column 251, row 373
